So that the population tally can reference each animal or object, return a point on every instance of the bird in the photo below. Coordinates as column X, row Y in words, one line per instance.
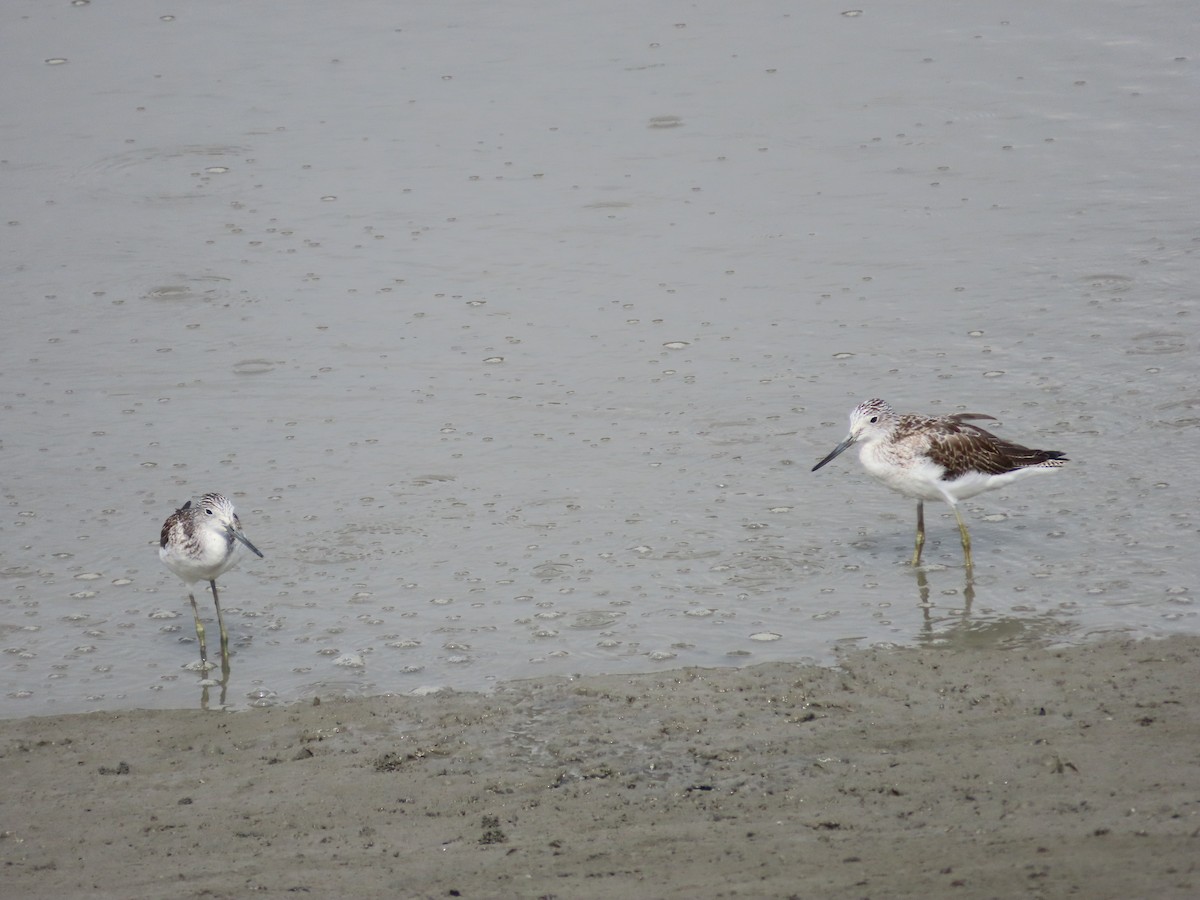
column 938, row 458
column 200, row 543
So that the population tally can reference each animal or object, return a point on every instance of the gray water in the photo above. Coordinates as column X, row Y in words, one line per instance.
column 514, row 331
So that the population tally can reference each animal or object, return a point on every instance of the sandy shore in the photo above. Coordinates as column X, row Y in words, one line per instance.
column 903, row 773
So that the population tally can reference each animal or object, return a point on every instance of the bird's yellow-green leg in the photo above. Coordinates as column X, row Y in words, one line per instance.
column 966, row 539
column 221, row 626
column 916, row 560
column 199, row 632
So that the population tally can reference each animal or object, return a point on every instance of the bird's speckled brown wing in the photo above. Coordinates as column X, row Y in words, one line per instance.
column 165, row 535
column 963, row 448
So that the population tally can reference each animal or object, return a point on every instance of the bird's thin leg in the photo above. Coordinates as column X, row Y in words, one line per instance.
column 221, row 625
column 966, row 539
column 916, row 561
column 199, row 631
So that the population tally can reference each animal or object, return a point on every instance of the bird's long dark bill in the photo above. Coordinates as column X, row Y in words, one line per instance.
column 245, row 540
column 836, row 450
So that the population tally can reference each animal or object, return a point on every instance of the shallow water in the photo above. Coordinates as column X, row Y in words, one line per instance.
column 513, row 334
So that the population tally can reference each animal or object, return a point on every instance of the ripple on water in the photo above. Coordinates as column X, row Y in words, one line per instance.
column 206, row 289
column 254, row 367
column 595, row 618
column 1112, row 284
column 1158, row 343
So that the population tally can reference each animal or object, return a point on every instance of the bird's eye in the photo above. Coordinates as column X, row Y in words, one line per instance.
column 207, row 511
column 874, row 419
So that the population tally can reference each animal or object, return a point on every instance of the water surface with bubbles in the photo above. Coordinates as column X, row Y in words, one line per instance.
column 513, row 333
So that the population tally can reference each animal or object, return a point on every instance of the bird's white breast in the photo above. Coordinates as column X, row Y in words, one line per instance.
column 210, row 554
column 908, row 473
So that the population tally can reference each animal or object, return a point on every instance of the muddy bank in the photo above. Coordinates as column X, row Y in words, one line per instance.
column 902, row 773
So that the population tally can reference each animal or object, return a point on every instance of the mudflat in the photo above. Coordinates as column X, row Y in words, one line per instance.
column 946, row 773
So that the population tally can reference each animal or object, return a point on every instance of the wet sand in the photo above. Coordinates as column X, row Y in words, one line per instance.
column 981, row 773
